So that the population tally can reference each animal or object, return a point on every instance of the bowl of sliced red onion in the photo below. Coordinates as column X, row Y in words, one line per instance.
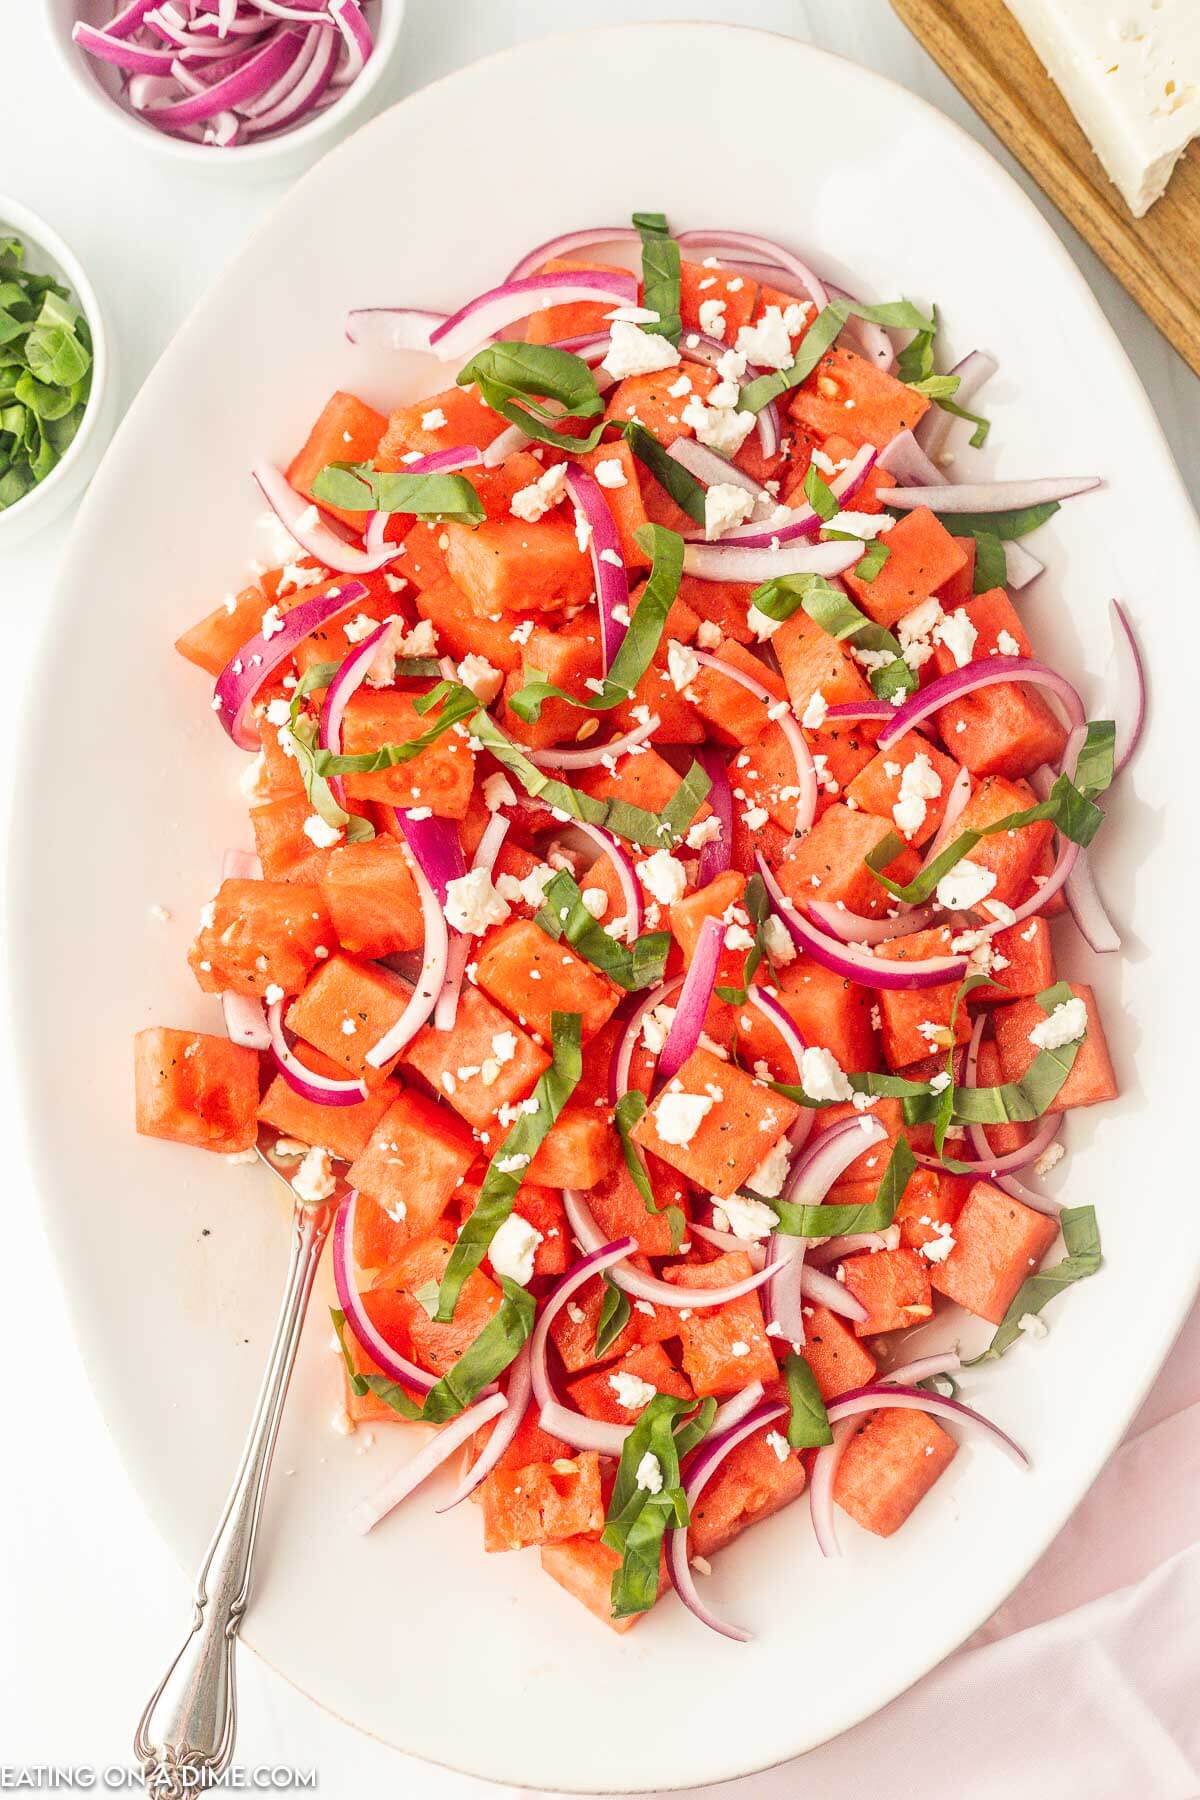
column 261, row 84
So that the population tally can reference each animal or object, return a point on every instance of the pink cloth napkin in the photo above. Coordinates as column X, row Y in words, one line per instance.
column 1085, row 1685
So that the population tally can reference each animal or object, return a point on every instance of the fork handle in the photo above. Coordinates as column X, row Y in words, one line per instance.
column 190, row 1721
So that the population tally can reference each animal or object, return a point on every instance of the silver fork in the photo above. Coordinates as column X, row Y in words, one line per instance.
column 190, row 1721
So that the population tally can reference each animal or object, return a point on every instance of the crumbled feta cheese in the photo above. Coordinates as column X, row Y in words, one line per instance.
column 633, row 351
column 678, row 1115
column 738, row 938
column 956, row 631
column 767, row 343
column 762, row 624
column 663, row 876
column 319, row 833
column 777, row 940
column 535, row 501
column 1050, row 1158
column 632, row 1392
column 708, row 634
column 860, row 524
column 649, row 1473
column 271, row 622
column 1033, row 1326
column 476, row 672
column 768, row 1178
column 712, row 318
column 472, row 903
column 725, row 505
column 964, row 886
column 919, row 783
column 610, row 472
column 816, row 712
column 313, row 1180
column 938, row 1248
column 513, row 1248
column 682, row 664
column 434, row 420
column 1065, row 1025
column 1007, row 645
column 706, row 831
column 779, row 1445
column 722, row 428
column 595, row 901
column 822, row 1076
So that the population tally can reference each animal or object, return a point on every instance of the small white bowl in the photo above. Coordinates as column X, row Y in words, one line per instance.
column 279, row 156
column 47, row 254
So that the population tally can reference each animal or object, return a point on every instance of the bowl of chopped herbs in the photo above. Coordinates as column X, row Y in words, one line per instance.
column 57, row 395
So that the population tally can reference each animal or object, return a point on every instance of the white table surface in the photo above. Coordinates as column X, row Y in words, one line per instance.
column 91, row 1601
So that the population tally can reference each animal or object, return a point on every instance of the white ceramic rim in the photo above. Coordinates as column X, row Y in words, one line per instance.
column 41, row 236
column 275, row 149
column 989, row 1598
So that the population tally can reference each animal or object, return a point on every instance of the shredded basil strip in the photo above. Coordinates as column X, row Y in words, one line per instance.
column 639, row 644
column 899, row 315
column 508, row 373
column 614, row 1316
column 835, row 1221
column 914, row 366
column 991, row 564
column 680, row 483
column 632, row 967
column 488, row 1356
column 872, row 561
column 820, row 495
column 360, row 488
column 638, row 1520
column 1069, row 808
column 837, row 615
column 757, row 903
column 1016, row 523
column 808, row 1425
column 633, row 823
column 1081, row 1234
column 660, row 274
column 510, row 1164
column 628, row 1111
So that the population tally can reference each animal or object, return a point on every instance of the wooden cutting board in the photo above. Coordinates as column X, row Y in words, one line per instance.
column 989, row 59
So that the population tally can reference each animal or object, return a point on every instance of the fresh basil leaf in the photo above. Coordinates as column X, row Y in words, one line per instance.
column 633, row 823
column 45, row 374
column 1015, row 523
column 457, row 703
column 1081, row 1234
column 688, row 1435
column 1071, row 810
column 680, row 483
column 757, row 903
column 1095, row 762
column 982, row 426
column 563, row 915
column 360, row 488
column 508, row 1166
column 615, row 1312
column 991, row 564
column 498, row 1344
column 936, row 387
column 819, row 495
column 382, row 1386
column 915, row 361
column 638, row 1520
column 516, row 379
column 303, row 741
column 836, row 1221
column 426, row 1297
column 627, row 1112
column 898, row 315
column 869, row 565
column 660, row 274
column 808, row 1425
column 639, row 644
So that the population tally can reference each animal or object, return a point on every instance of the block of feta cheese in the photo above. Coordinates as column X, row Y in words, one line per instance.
column 1130, row 72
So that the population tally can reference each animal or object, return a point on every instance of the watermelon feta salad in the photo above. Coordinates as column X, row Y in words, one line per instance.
column 661, row 822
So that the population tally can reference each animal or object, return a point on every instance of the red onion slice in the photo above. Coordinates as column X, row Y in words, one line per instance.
column 969, row 680
column 1129, row 694
column 301, row 518
column 235, row 90
column 400, row 1484
column 591, row 755
column 245, row 1021
column 1087, row 908
column 992, row 496
column 446, row 1011
column 853, row 928
column 780, row 713
column 348, row 16
column 829, row 1156
column 727, row 561
column 137, row 59
column 1021, row 566
column 574, row 1428
column 815, row 1286
column 783, row 1298
column 704, row 1465
column 622, row 1056
column 777, row 1014
column 767, row 251
column 834, row 1248
column 304, row 84
column 431, row 979
column 707, row 466
column 570, row 243
column 490, row 312
column 128, row 18
column 648, row 1287
column 608, row 560
column 351, row 674
column 692, row 1008
column 999, row 1172
column 852, row 963
column 392, row 327
column 322, row 1090
column 904, row 458
column 357, row 1317
column 717, row 854
column 912, row 1399
column 259, row 657
column 935, row 428
column 517, row 1394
